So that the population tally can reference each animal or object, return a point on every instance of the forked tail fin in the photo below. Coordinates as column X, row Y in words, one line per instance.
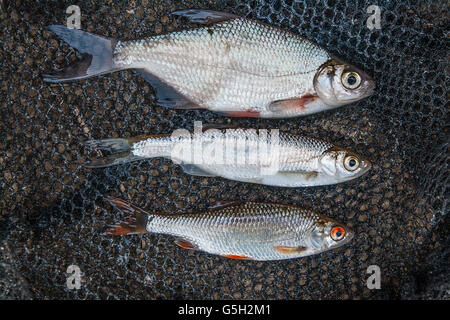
column 97, row 55
column 120, row 150
column 136, row 222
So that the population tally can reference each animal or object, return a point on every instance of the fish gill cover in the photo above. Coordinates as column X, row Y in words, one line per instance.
column 52, row 209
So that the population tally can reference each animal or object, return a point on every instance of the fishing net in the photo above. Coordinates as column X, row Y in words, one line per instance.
column 52, row 209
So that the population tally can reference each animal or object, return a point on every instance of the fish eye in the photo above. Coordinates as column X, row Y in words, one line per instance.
column 351, row 80
column 351, row 163
column 337, row 233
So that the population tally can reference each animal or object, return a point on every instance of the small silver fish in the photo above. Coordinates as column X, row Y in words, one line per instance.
column 255, row 231
column 247, row 155
column 232, row 65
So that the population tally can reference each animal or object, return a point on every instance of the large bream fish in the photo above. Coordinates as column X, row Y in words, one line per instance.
column 256, row 231
column 232, row 65
column 266, row 157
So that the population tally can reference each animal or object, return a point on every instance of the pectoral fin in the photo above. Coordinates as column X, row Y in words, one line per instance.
column 195, row 171
column 284, row 106
column 290, row 250
column 295, row 174
column 207, row 17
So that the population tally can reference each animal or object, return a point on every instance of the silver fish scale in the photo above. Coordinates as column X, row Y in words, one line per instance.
column 249, row 229
column 234, row 65
column 301, row 153
column 293, row 152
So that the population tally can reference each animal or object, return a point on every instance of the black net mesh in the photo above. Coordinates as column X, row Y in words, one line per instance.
column 52, row 209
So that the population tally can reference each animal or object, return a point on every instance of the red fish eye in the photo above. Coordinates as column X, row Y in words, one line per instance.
column 337, row 233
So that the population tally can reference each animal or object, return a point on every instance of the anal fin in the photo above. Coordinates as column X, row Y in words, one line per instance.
column 185, row 244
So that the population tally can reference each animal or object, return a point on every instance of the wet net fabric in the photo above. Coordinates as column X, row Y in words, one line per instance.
column 52, row 210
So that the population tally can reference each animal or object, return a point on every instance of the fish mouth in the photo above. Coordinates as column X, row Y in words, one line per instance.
column 366, row 165
column 350, row 235
column 369, row 88
column 368, row 84
column 372, row 86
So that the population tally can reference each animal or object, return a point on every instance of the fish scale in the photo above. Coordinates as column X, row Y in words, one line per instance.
column 231, row 65
column 241, row 230
column 293, row 153
column 242, row 49
column 251, row 229
column 266, row 157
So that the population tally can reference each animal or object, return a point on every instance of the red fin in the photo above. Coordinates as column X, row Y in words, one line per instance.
column 242, row 114
column 307, row 98
column 119, row 230
column 136, row 222
column 295, row 103
column 237, row 257
column 289, row 250
column 184, row 244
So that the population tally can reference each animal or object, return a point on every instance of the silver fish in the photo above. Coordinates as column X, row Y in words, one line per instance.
column 232, row 65
column 247, row 155
column 255, row 231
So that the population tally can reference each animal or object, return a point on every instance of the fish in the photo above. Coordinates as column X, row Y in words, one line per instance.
column 231, row 65
column 243, row 231
column 261, row 156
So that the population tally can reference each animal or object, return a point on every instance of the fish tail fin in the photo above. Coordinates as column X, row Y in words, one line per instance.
column 120, row 149
column 136, row 219
column 97, row 55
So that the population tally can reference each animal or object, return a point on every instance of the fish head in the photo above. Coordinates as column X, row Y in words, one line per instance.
column 337, row 83
column 327, row 234
column 340, row 165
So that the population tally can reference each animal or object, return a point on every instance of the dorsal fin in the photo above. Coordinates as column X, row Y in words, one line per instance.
column 207, row 17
